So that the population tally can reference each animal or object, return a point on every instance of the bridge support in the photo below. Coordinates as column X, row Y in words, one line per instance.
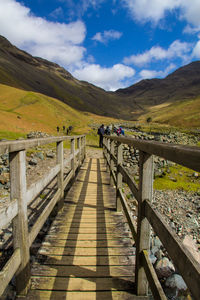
column 20, row 222
column 143, row 226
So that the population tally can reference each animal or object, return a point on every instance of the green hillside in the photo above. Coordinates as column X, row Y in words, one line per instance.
column 22, row 112
column 185, row 114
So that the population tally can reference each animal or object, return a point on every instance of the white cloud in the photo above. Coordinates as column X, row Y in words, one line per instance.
column 190, row 11
column 107, row 78
column 147, row 74
column 155, row 10
column 191, row 29
column 176, row 50
column 58, row 12
column 196, row 50
column 52, row 40
column 107, row 35
column 79, row 8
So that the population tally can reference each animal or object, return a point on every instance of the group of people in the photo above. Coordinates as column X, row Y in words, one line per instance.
column 106, row 131
column 67, row 130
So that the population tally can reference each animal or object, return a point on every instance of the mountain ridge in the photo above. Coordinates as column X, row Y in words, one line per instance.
column 21, row 70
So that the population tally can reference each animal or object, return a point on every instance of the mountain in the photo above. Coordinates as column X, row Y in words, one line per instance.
column 182, row 84
column 21, row 70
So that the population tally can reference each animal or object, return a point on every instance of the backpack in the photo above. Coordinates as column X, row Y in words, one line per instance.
column 99, row 131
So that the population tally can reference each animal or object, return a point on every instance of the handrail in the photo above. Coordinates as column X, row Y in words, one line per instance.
column 16, row 210
column 184, row 155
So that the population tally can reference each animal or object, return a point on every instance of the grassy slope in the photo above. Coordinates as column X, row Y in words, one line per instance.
column 22, row 112
column 184, row 114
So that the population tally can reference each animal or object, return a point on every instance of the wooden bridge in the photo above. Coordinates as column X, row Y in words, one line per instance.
column 92, row 249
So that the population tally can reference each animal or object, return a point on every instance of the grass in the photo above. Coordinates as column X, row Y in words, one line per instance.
column 184, row 114
column 9, row 135
column 177, row 178
column 22, row 112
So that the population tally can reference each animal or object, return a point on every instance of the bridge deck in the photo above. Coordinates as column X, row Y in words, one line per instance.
column 88, row 252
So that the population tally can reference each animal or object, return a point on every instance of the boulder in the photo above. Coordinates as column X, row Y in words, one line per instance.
column 164, row 268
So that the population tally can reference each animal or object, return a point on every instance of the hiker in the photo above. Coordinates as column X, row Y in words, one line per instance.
column 122, row 131
column 119, row 131
column 57, row 128
column 107, row 130
column 101, row 132
column 63, row 128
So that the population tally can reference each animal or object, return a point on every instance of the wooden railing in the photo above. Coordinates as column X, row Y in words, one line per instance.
column 21, row 197
column 147, row 216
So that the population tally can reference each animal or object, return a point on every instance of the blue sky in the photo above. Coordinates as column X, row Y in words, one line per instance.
column 110, row 43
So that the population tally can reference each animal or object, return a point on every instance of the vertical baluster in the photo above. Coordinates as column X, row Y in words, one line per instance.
column 20, row 222
column 112, row 147
column 84, row 151
column 60, row 176
column 119, row 175
column 73, row 155
column 108, row 155
column 143, row 226
column 79, row 149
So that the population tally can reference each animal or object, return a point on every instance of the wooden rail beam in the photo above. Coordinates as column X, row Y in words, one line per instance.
column 9, row 270
column 154, row 283
column 184, row 261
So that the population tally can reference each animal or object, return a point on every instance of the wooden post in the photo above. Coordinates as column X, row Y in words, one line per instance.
column 119, row 175
column 112, row 147
column 60, row 175
column 73, row 156
column 84, row 143
column 79, row 148
column 143, row 226
column 108, row 155
column 20, row 222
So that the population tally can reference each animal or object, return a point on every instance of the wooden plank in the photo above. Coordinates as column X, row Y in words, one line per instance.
column 71, row 251
column 79, row 230
column 83, row 284
column 104, row 295
column 86, row 247
column 154, row 283
column 37, row 187
column 9, row 270
column 124, row 242
column 188, row 267
column 89, row 271
column 103, row 260
column 89, row 236
column 42, row 218
column 8, row 212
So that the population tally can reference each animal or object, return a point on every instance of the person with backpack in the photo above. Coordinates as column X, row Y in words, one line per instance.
column 101, row 132
column 107, row 130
